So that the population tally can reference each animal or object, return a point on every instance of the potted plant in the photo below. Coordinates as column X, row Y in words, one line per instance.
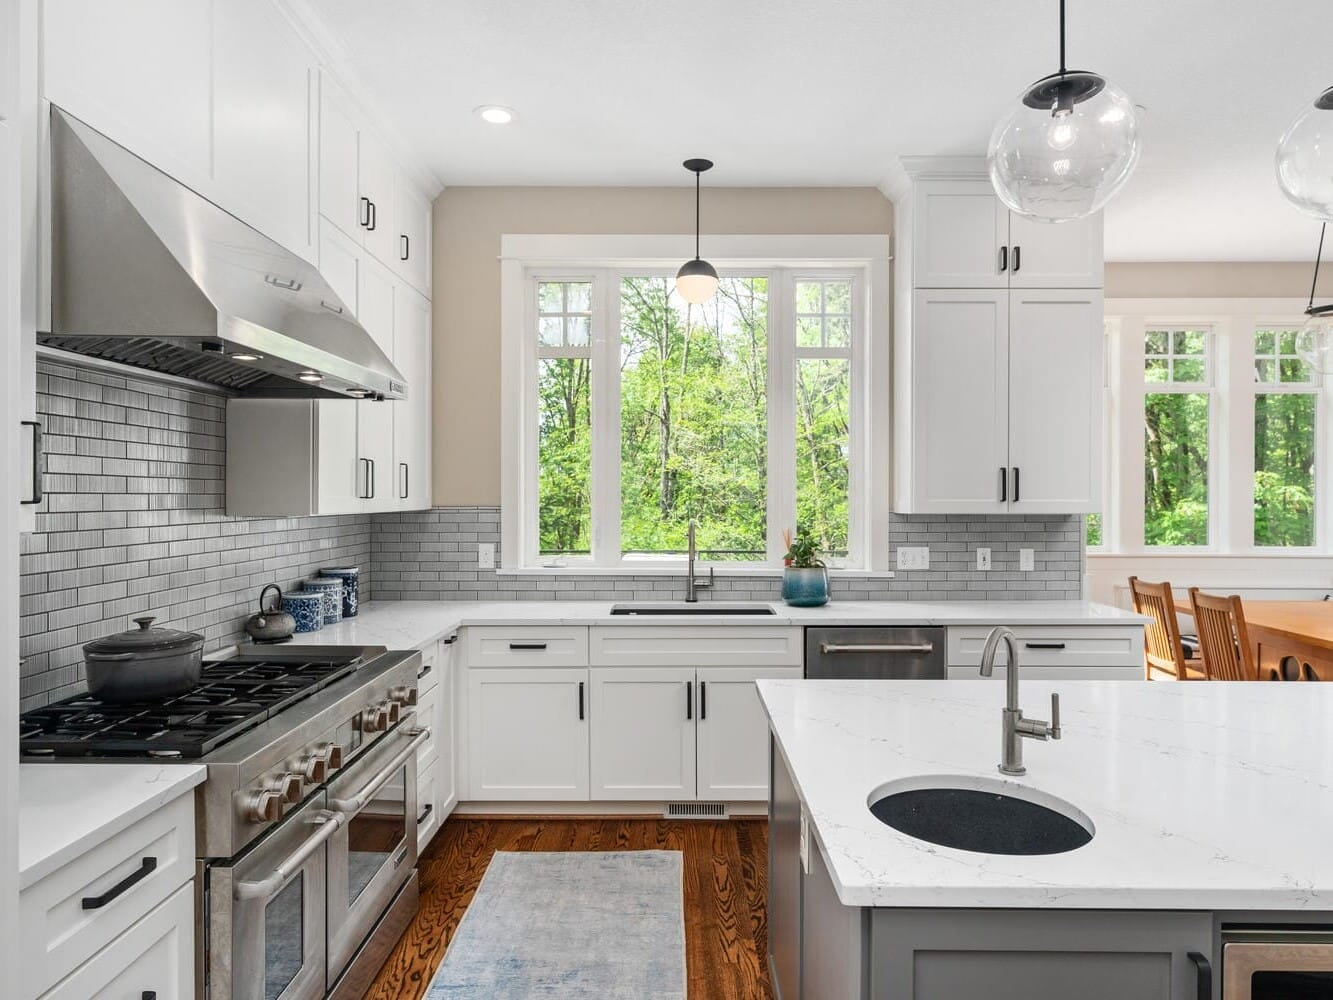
column 805, row 581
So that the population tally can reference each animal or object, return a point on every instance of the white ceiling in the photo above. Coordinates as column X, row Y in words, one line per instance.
column 827, row 92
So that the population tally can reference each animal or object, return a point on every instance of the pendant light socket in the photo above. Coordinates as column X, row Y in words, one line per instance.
column 697, row 280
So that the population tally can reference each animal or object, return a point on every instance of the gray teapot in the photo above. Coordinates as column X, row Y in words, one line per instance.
column 270, row 626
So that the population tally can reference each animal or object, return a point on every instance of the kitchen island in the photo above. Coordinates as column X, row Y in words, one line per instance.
column 1210, row 807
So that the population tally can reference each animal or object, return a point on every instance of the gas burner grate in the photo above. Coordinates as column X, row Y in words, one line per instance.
column 232, row 697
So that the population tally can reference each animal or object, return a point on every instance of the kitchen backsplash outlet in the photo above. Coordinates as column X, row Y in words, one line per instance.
column 133, row 524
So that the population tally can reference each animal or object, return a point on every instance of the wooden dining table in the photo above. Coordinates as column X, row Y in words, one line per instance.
column 1293, row 640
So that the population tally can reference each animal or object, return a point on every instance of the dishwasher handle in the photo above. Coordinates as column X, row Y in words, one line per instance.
column 876, row 647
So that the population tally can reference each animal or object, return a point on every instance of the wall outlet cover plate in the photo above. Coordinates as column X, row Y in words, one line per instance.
column 913, row 557
column 485, row 555
column 983, row 559
column 1026, row 560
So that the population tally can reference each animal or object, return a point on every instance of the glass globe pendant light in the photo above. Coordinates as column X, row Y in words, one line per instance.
column 1068, row 145
column 1314, row 343
column 696, row 281
column 1305, row 159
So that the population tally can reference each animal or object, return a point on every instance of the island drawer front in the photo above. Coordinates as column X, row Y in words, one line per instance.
column 527, row 646
column 696, row 645
column 428, row 674
column 71, row 914
column 428, row 705
column 1054, row 645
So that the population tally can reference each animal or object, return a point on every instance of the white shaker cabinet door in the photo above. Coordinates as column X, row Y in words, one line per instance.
column 643, row 732
column 412, row 416
column 339, row 145
column 960, row 234
column 1055, row 417
column 733, row 732
column 375, row 418
column 960, row 389
column 1060, row 255
column 377, row 174
column 412, row 216
column 528, row 734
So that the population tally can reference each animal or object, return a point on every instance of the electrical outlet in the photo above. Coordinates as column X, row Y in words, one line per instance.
column 486, row 555
column 983, row 558
column 1026, row 560
column 913, row 557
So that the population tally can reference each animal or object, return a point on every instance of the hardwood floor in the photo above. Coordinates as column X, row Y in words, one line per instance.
column 726, row 885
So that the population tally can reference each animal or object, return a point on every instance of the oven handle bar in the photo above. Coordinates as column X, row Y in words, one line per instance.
column 329, row 824
column 355, row 803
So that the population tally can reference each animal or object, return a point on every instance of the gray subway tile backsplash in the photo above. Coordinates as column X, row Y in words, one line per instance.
column 133, row 524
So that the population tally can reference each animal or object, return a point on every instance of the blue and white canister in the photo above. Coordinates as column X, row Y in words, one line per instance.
column 351, row 578
column 306, row 607
column 332, row 589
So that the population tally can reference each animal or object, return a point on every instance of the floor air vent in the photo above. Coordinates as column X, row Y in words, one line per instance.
column 696, row 810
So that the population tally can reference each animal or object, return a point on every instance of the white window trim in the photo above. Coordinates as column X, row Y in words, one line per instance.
column 1231, row 519
column 866, row 258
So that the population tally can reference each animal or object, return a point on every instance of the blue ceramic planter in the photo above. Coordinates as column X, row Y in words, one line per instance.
column 805, row 588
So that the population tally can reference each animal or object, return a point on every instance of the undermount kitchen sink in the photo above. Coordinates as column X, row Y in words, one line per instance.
column 683, row 608
column 981, row 814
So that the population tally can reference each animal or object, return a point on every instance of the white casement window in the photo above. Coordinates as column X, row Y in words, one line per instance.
column 1219, row 432
column 629, row 413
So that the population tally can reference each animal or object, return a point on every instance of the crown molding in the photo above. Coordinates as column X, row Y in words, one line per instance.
column 904, row 171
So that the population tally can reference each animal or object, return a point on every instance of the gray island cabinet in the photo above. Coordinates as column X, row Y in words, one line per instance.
column 1185, row 804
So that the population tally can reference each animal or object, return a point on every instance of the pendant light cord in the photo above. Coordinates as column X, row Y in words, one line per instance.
column 698, row 175
column 1314, row 284
column 1062, row 37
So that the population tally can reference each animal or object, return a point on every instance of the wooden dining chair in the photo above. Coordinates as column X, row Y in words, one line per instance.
column 1163, row 654
column 1224, row 641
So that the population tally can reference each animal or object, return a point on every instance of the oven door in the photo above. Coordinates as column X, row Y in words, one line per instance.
column 1277, row 965
column 266, row 912
column 374, row 853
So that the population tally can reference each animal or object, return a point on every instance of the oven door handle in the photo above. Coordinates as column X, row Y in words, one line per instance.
column 329, row 824
column 355, row 803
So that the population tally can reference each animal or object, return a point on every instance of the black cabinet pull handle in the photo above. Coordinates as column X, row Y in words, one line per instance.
column 703, row 700
column 371, row 481
column 527, row 645
column 1203, row 974
column 148, row 995
column 146, row 868
column 425, row 670
column 1004, row 259
column 1004, row 485
column 1015, row 484
column 364, row 218
column 580, row 701
column 425, row 814
column 374, row 217
column 403, row 495
column 689, row 700
column 1044, row 645
column 407, row 248
column 1018, row 258
column 38, row 462
column 365, row 490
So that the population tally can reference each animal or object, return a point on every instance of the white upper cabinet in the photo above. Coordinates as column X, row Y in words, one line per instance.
column 412, row 416
column 138, row 72
column 1055, row 255
column 412, row 214
column 264, row 127
column 339, row 153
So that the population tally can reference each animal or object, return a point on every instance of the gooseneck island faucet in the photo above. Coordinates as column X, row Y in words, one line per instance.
column 693, row 585
column 1015, row 727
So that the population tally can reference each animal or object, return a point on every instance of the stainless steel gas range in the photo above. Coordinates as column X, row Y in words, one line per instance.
column 306, row 824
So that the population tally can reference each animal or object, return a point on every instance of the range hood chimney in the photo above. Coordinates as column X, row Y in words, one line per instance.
column 146, row 272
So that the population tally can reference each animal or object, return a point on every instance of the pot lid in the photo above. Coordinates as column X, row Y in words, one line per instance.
column 143, row 639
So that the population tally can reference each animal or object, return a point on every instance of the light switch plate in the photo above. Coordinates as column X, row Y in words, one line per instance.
column 1026, row 560
column 913, row 557
column 486, row 555
column 983, row 559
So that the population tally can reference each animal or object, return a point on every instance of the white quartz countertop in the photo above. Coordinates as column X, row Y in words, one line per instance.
column 65, row 809
column 412, row 624
column 1211, row 796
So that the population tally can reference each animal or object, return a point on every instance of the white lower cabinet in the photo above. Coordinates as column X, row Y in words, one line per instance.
column 1053, row 652
column 643, row 742
column 732, row 742
column 428, row 808
column 154, row 958
column 528, row 734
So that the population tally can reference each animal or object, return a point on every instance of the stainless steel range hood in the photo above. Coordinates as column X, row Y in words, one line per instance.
column 146, row 272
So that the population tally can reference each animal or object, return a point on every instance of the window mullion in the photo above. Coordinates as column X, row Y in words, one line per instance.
column 781, row 411
column 606, row 419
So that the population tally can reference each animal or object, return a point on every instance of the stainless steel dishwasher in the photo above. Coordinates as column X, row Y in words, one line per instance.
column 875, row 653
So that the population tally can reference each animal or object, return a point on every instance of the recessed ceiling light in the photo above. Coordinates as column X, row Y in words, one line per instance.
column 494, row 114
column 310, row 377
column 242, row 356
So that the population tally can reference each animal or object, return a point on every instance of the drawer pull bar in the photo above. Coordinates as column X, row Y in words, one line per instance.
column 1044, row 645
column 425, row 670
column 527, row 645
column 425, row 813
column 877, row 647
column 146, row 868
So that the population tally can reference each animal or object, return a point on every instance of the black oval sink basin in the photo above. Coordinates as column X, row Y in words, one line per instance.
column 980, row 819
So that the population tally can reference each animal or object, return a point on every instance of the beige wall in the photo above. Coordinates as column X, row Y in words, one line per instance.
column 1174, row 280
column 468, row 224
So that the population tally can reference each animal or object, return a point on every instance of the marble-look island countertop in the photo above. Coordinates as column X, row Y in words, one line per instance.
column 412, row 624
column 1210, row 796
column 65, row 809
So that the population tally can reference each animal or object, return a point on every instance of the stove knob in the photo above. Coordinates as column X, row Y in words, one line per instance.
column 393, row 709
column 264, row 806
column 375, row 720
column 403, row 695
column 315, row 766
column 288, row 787
column 335, row 753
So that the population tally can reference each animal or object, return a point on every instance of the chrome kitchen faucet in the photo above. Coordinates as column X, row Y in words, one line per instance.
column 1016, row 728
column 693, row 585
